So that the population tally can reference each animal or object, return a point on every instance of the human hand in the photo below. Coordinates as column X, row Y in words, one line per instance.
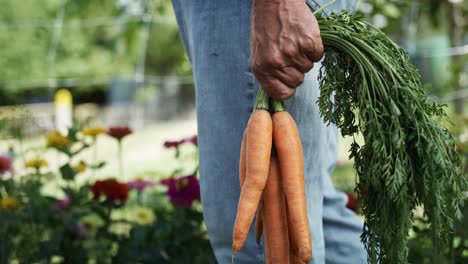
column 285, row 43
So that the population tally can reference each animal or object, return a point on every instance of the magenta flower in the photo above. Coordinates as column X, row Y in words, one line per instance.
column 62, row 205
column 172, row 144
column 175, row 144
column 139, row 185
column 6, row 164
column 183, row 191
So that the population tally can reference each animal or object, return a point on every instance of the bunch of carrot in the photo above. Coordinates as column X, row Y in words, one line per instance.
column 271, row 174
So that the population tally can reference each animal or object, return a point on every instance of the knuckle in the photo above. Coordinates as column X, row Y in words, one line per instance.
column 289, row 51
column 300, row 80
column 284, row 94
column 274, row 61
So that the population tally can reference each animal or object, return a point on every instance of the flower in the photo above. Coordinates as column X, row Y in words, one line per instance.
column 340, row 163
column 139, row 185
column 144, row 216
column 352, row 203
column 172, row 144
column 80, row 167
column 119, row 132
column 183, row 191
column 57, row 140
column 62, row 205
column 9, row 204
column 93, row 131
column 6, row 164
column 193, row 139
column 175, row 144
column 36, row 163
column 81, row 231
column 113, row 190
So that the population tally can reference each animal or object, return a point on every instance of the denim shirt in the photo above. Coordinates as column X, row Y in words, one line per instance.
column 335, row 7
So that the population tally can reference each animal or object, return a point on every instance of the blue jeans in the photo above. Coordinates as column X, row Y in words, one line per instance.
column 216, row 37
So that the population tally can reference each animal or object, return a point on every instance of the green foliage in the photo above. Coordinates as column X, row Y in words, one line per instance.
column 407, row 158
column 99, row 39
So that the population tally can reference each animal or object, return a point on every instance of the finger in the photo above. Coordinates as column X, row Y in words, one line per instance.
column 302, row 63
column 276, row 89
column 313, row 50
column 290, row 76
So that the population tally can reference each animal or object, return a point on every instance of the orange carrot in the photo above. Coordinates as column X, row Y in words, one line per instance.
column 242, row 171
column 294, row 257
column 291, row 158
column 243, row 159
column 259, row 222
column 258, row 150
column 274, row 211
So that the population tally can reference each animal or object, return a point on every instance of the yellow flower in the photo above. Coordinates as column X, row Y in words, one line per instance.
column 80, row 167
column 9, row 204
column 36, row 163
column 57, row 140
column 144, row 216
column 93, row 131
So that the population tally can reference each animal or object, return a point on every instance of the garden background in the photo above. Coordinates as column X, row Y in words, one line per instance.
column 122, row 185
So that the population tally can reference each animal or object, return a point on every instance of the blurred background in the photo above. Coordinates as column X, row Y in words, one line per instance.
column 116, row 72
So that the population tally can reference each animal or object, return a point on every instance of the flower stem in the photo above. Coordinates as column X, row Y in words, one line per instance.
column 121, row 172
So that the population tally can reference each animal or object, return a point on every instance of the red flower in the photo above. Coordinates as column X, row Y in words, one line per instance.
column 113, row 190
column 352, row 203
column 183, row 191
column 119, row 132
column 5, row 164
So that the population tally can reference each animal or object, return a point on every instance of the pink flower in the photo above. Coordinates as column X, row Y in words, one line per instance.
column 139, row 185
column 183, row 191
column 6, row 164
column 62, row 205
column 340, row 163
column 193, row 139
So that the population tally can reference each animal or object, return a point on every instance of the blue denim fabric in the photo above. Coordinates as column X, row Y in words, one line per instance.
column 216, row 37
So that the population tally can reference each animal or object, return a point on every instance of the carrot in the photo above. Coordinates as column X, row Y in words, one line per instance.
column 294, row 257
column 291, row 159
column 242, row 167
column 274, row 211
column 259, row 222
column 258, row 150
column 243, row 159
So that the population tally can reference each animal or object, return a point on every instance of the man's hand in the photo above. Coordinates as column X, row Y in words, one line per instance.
column 285, row 43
